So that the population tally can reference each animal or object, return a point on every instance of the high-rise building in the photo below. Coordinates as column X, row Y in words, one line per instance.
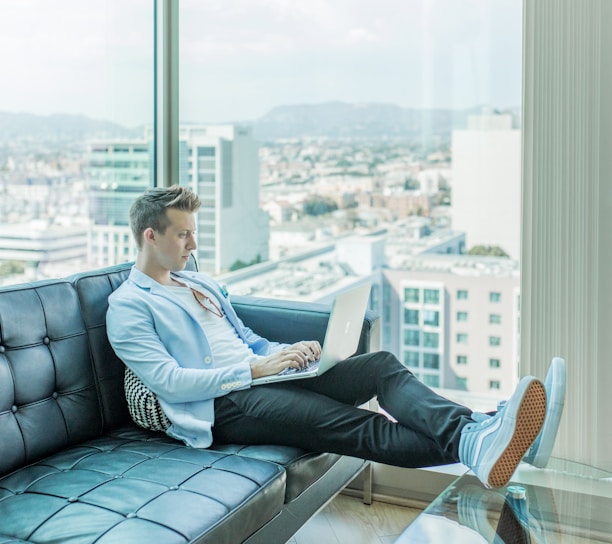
column 117, row 171
column 453, row 320
column 220, row 163
column 486, row 183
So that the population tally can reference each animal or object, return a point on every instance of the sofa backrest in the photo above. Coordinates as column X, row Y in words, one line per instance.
column 93, row 289
column 48, row 391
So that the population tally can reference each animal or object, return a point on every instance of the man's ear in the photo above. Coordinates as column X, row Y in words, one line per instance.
column 148, row 235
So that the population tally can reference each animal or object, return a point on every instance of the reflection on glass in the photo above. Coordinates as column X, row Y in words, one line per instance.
column 570, row 502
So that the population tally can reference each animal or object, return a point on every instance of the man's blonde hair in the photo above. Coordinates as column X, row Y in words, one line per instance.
column 149, row 209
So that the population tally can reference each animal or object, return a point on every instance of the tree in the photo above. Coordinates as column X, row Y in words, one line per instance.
column 317, row 205
column 488, row 251
column 238, row 264
column 8, row 268
column 411, row 184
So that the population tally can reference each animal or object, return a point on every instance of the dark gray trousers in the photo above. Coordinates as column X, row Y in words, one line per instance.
column 321, row 414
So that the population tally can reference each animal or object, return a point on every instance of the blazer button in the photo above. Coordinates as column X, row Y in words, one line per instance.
column 208, row 359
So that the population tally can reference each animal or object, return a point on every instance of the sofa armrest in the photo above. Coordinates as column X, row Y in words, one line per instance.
column 291, row 321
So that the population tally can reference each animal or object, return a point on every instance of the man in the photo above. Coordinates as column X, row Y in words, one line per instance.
column 177, row 331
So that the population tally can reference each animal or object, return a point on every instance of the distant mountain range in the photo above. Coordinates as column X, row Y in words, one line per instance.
column 330, row 119
column 59, row 127
column 341, row 120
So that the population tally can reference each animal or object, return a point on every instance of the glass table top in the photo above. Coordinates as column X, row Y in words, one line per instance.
column 564, row 503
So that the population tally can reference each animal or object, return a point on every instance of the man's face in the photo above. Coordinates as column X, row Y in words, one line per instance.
column 174, row 246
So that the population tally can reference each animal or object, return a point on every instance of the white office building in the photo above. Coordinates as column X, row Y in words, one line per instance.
column 453, row 320
column 43, row 249
column 486, row 183
column 220, row 163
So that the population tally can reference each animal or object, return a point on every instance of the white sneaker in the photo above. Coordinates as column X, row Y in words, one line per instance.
column 494, row 446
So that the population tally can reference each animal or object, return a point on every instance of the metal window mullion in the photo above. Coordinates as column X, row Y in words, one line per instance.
column 165, row 119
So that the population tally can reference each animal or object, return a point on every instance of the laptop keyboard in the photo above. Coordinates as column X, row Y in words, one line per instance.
column 312, row 367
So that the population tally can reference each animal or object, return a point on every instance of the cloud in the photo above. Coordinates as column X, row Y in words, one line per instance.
column 357, row 36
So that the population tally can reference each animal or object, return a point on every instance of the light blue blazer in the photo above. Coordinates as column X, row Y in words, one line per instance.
column 166, row 347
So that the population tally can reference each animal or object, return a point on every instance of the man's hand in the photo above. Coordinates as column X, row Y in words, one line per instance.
column 297, row 356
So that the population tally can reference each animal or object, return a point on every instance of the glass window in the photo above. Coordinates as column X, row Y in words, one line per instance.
column 494, row 341
column 411, row 317
column 494, row 385
column 461, row 383
column 462, row 316
column 431, row 380
column 431, row 318
column 304, row 76
column 411, row 358
column 431, row 360
column 206, row 152
column 431, row 339
column 462, row 359
column 494, row 319
column 494, row 363
column 76, row 143
column 431, row 296
column 411, row 295
column 462, row 338
column 494, row 297
column 411, row 338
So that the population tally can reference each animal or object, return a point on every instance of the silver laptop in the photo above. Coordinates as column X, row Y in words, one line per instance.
column 341, row 337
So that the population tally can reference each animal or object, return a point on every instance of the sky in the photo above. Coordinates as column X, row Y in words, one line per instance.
column 240, row 58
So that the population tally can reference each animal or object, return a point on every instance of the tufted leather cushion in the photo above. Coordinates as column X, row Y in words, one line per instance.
column 303, row 468
column 48, row 397
column 135, row 487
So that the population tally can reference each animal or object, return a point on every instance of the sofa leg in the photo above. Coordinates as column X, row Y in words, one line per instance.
column 367, row 484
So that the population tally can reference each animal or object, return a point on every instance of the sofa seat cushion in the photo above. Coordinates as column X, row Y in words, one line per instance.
column 303, row 468
column 133, row 486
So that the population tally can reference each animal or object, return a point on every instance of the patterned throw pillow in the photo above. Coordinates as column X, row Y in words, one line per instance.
column 143, row 404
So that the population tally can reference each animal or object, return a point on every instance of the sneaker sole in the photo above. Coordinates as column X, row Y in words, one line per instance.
column 539, row 456
column 529, row 421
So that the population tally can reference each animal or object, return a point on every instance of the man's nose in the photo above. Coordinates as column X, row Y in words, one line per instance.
column 193, row 243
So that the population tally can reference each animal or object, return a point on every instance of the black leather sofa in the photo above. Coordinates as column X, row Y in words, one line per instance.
column 74, row 468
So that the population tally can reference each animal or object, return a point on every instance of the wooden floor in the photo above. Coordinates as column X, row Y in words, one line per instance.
column 347, row 520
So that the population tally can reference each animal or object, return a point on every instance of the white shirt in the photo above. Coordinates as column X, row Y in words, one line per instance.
column 226, row 346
